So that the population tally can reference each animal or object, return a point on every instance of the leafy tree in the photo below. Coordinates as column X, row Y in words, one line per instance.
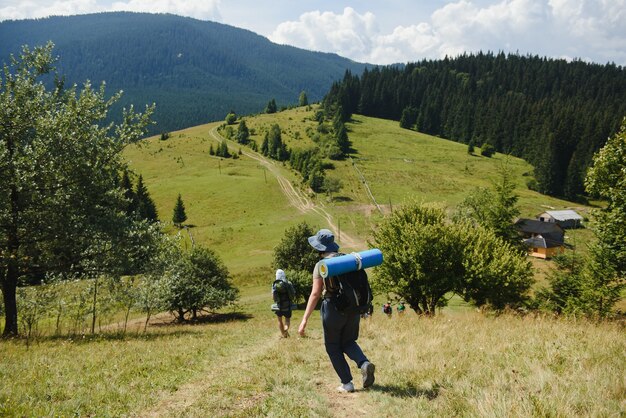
column 303, row 100
column 293, row 252
column 179, row 215
column 61, row 206
column 316, row 180
column 231, row 118
column 271, row 107
column 199, row 281
column 422, row 257
column 331, row 185
column 302, row 283
column 487, row 150
column 427, row 257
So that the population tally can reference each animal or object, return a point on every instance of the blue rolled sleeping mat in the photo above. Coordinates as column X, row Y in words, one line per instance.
column 350, row 262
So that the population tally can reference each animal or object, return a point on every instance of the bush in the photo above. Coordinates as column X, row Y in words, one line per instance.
column 487, row 150
column 198, row 281
column 302, row 282
column 294, row 252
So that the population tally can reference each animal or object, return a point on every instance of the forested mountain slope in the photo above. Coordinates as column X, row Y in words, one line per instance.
column 553, row 113
column 196, row 71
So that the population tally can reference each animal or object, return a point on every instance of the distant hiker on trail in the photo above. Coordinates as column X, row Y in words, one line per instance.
column 400, row 308
column 341, row 328
column 283, row 294
column 387, row 309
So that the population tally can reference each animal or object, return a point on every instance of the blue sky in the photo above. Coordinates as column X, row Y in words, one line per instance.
column 389, row 31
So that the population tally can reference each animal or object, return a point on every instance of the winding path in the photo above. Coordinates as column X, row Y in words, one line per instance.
column 295, row 197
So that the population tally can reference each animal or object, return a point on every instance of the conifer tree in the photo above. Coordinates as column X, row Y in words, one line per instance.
column 146, row 209
column 179, row 212
column 127, row 186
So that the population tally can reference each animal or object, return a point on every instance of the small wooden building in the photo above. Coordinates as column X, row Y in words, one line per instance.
column 543, row 239
column 564, row 218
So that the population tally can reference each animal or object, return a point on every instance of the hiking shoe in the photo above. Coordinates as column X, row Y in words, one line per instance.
column 346, row 388
column 367, row 371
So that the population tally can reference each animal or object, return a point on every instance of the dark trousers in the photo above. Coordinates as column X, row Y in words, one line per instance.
column 340, row 334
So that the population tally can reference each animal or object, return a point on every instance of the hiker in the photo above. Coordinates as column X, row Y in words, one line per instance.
column 341, row 329
column 400, row 308
column 283, row 294
column 387, row 309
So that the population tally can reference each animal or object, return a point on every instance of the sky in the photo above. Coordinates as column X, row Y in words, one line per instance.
column 392, row 31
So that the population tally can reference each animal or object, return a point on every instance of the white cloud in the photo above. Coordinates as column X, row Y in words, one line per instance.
column 588, row 29
column 350, row 34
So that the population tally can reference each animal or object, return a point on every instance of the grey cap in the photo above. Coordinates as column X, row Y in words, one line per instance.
column 324, row 241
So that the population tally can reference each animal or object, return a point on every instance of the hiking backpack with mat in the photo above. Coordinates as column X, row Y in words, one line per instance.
column 350, row 291
column 283, row 293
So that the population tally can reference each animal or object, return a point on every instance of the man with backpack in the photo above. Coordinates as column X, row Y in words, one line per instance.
column 340, row 324
column 283, row 294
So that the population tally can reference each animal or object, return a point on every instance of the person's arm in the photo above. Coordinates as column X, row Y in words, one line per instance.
column 316, row 293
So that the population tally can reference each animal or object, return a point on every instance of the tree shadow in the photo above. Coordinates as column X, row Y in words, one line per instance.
column 207, row 318
column 342, row 199
column 409, row 390
column 80, row 339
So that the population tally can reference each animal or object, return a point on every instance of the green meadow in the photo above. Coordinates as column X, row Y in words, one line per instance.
column 460, row 363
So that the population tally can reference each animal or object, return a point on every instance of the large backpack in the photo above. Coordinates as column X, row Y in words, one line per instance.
column 351, row 291
column 283, row 293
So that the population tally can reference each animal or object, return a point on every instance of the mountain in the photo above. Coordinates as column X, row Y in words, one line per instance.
column 195, row 71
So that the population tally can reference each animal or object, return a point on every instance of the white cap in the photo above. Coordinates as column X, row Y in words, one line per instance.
column 280, row 275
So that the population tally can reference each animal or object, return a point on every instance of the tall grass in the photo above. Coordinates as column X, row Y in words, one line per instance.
column 458, row 363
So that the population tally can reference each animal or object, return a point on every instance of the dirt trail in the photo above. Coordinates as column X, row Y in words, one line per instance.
column 296, row 198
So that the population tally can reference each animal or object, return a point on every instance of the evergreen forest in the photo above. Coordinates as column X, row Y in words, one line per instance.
column 553, row 113
column 195, row 71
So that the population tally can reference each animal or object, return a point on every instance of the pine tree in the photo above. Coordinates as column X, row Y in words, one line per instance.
column 271, row 107
column 179, row 212
column 129, row 195
column 146, row 209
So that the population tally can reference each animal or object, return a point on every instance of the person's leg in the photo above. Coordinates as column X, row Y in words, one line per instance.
column 281, row 326
column 349, row 335
column 333, row 322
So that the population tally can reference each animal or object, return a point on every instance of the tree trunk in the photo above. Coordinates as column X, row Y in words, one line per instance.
column 9, row 286
column 93, row 307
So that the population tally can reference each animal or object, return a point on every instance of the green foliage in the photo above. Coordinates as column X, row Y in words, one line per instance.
column 197, row 281
column 271, row 107
column 165, row 136
column 243, row 134
column 294, row 252
column 179, row 215
column 332, row 185
column 61, row 206
column 593, row 285
column 231, row 118
column 302, row 282
column 428, row 257
column 502, row 100
column 222, row 150
column 303, row 99
column 184, row 71
column 145, row 207
column 495, row 208
column 470, row 147
column 487, row 150
column 273, row 145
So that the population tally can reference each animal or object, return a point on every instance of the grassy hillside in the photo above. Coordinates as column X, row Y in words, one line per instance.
column 242, row 213
column 457, row 364
column 461, row 362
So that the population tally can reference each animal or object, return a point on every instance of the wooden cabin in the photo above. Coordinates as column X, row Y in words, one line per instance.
column 543, row 239
column 564, row 218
